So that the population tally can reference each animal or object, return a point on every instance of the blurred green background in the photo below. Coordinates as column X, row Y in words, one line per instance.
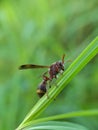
column 39, row 32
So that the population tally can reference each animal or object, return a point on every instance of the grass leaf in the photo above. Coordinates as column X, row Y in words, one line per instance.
column 57, row 125
column 87, row 54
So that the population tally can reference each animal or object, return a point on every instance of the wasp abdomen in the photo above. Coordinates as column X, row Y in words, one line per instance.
column 41, row 90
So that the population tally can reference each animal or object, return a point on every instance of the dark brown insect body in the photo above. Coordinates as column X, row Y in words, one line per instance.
column 54, row 69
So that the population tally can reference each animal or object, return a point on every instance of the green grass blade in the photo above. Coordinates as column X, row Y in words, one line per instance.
column 87, row 54
column 63, row 116
column 56, row 125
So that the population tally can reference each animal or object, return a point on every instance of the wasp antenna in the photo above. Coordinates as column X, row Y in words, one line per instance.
column 63, row 58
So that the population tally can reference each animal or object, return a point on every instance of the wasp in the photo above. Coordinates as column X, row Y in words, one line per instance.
column 53, row 70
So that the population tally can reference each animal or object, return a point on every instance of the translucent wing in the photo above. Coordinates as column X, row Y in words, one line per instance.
column 32, row 66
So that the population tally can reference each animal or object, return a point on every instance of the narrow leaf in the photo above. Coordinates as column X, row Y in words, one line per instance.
column 88, row 53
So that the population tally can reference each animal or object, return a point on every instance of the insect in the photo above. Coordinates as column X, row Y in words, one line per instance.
column 42, row 88
column 54, row 69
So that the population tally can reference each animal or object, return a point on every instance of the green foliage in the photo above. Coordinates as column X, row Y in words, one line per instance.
column 40, row 31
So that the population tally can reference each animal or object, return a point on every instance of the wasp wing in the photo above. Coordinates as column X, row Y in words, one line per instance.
column 32, row 66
